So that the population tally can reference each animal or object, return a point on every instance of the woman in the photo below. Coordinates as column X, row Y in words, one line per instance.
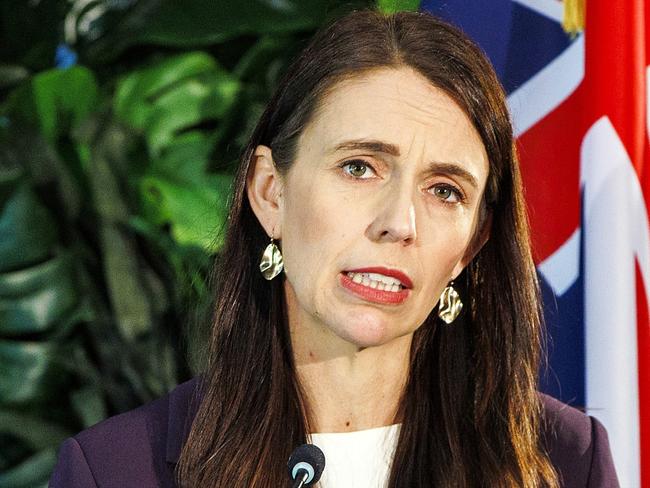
column 382, row 176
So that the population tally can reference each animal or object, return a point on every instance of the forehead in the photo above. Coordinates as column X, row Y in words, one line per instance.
column 398, row 106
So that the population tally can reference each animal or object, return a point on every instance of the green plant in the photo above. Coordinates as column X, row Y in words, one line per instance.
column 114, row 176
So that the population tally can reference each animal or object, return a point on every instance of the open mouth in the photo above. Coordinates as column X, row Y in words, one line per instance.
column 376, row 281
column 376, row 287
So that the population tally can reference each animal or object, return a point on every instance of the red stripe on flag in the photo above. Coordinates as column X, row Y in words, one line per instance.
column 615, row 84
column 615, row 70
column 550, row 155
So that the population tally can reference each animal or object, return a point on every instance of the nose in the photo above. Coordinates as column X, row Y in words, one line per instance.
column 395, row 218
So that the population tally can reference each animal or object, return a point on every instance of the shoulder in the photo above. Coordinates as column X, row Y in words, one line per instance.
column 137, row 448
column 577, row 445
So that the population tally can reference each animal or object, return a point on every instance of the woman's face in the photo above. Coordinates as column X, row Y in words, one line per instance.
column 380, row 209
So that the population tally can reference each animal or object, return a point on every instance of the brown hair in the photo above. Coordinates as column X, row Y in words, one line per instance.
column 470, row 412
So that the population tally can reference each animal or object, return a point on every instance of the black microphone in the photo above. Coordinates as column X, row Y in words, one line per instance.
column 306, row 465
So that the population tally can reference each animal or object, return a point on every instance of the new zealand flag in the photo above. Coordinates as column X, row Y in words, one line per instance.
column 579, row 106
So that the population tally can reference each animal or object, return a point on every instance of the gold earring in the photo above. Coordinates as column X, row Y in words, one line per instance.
column 271, row 264
column 450, row 304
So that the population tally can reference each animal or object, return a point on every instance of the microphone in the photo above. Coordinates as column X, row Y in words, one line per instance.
column 306, row 465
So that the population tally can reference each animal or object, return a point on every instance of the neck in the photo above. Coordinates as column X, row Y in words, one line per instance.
column 348, row 388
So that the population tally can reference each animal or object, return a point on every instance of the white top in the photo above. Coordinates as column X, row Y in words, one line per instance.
column 360, row 459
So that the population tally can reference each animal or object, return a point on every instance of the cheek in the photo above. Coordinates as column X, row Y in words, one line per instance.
column 442, row 255
column 306, row 226
column 315, row 223
column 311, row 240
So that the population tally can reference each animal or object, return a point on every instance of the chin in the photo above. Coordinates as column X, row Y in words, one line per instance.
column 368, row 332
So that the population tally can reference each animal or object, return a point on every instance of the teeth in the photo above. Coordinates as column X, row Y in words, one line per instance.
column 384, row 279
column 376, row 281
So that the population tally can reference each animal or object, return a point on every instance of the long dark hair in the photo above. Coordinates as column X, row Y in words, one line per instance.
column 470, row 412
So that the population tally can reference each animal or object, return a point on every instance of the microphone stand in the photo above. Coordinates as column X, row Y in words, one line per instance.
column 305, row 465
column 300, row 480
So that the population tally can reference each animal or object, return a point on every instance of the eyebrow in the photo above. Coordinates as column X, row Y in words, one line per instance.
column 366, row 145
column 453, row 169
column 391, row 149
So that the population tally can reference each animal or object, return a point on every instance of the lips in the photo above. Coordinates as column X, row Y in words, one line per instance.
column 392, row 273
column 377, row 285
column 373, row 295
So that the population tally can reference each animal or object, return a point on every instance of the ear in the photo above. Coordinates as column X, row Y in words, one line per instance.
column 264, row 190
column 478, row 241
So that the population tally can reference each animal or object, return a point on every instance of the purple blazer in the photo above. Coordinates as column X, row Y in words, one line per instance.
column 139, row 449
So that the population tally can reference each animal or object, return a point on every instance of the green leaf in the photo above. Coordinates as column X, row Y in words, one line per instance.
column 11, row 74
column 212, row 21
column 66, row 96
column 257, row 57
column 185, row 158
column 130, row 303
column 176, row 190
column 30, row 280
column 176, row 94
column 83, row 312
column 31, row 371
column 27, row 233
column 134, row 93
column 392, row 6
column 128, row 296
column 10, row 178
column 89, row 405
column 33, row 299
column 36, row 432
column 31, row 36
column 23, row 145
column 30, row 473
column 195, row 210
column 188, row 105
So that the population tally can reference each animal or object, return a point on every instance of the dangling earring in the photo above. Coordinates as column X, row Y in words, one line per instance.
column 271, row 264
column 450, row 304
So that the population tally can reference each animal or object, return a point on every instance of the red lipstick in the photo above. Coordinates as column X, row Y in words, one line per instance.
column 375, row 295
column 393, row 273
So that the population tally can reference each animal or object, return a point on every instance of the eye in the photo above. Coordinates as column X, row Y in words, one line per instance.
column 358, row 169
column 447, row 193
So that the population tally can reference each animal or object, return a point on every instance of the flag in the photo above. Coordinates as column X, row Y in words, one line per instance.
column 580, row 111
